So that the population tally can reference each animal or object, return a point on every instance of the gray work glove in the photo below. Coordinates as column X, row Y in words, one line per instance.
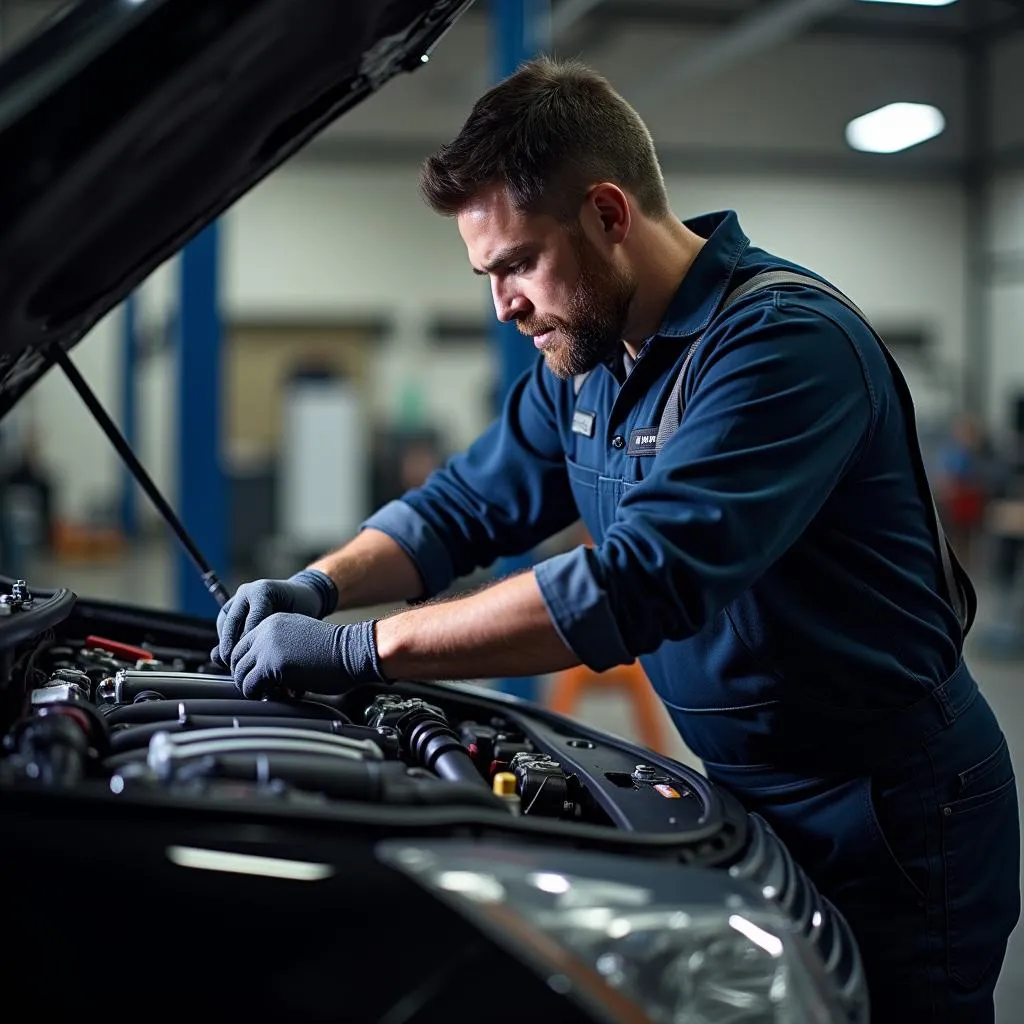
column 294, row 653
column 310, row 592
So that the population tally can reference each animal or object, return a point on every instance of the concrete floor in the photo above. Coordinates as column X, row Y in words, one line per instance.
column 147, row 577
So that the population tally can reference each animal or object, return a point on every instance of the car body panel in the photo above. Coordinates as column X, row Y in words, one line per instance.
column 125, row 128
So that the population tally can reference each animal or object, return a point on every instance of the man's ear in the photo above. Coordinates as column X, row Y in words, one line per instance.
column 607, row 213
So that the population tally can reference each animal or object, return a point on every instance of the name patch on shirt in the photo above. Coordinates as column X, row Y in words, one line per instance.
column 583, row 423
column 643, row 441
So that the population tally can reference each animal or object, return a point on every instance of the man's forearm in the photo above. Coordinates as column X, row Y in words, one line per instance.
column 371, row 569
column 502, row 630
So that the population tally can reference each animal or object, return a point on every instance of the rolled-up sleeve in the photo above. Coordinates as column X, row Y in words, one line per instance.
column 778, row 408
column 501, row 497
column 573, row 590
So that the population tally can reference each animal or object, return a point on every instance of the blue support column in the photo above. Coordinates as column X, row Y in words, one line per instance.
column 202, row 489
column 129, row 427
column 520, row 33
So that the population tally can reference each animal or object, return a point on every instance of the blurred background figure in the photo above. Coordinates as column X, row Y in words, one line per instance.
column 26, row 502
column 420, row 457
column 964, row 485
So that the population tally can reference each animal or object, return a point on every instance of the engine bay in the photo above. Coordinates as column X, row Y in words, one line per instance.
column 105, row 704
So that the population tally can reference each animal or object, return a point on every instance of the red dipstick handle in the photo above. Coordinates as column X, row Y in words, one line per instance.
column 127, row 652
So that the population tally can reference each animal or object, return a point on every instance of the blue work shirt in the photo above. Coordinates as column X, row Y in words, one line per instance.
column 772, row 566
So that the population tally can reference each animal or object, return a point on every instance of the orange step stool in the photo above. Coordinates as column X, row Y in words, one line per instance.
column 573, row 683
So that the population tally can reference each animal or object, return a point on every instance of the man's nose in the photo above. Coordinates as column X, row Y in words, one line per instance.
column 508, row 304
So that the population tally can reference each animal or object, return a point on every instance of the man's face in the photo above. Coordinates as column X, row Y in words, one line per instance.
column 558, row 287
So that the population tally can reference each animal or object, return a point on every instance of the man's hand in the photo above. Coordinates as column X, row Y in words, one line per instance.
column 504, row 629
column 289, row 651
column 310, row 592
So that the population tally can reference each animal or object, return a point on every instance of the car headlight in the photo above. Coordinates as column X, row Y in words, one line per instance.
column 681, row 945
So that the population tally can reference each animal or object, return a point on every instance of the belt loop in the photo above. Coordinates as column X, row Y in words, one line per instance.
column 955, row 694
column 941, row 697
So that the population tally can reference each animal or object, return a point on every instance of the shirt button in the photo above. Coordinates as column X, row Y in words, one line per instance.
column 618, row 441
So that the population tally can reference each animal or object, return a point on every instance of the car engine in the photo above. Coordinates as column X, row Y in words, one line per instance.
column 158, row 717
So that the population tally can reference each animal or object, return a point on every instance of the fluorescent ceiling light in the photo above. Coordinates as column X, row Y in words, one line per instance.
column 248, row 864
column 894, row 127
column 913, row 3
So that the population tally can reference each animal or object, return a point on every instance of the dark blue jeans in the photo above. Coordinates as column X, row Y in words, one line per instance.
column 921, row 853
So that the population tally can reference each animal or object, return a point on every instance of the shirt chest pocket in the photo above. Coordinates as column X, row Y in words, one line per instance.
column 597, row 497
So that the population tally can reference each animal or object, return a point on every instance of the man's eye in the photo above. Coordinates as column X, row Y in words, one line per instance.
column 517, row 268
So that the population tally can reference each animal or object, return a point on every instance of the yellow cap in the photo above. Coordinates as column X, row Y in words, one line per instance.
column 504, row 784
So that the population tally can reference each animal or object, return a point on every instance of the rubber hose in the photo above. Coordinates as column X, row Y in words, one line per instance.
column 137, row 736
column 457, row 766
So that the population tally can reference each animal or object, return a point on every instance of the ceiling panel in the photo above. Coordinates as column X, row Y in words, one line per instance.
column 792, row 99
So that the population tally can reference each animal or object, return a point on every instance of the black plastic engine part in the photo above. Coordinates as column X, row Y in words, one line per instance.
column 479, row 741
column 60, row 691
column 145, row 695
column 98, row 672
column 54, row 749
column 127, row 684
column 84, row 715
column 507, row 745
column 71, row 675
column 426, row 737
column 171, row 710
column 365, row 781
column 542, row 786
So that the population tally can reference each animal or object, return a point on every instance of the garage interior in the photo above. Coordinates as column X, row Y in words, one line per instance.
column 333, row 269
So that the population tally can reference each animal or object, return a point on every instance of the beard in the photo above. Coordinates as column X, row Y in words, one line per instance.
column 591, row 331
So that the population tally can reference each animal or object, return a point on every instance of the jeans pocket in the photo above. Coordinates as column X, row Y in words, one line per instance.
column 981, row 859
column 896, row 823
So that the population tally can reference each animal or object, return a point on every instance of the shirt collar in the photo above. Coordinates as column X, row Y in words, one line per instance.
column 703, row 288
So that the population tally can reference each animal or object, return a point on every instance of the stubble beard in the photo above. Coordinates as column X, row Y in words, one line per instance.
column 591, row 331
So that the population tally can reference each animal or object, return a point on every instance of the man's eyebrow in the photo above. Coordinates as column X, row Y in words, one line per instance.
column 507, row 255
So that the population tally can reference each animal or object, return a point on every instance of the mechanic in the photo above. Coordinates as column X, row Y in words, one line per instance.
column 774, row 564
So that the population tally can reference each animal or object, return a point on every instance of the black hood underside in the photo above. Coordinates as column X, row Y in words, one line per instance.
column 125, row 128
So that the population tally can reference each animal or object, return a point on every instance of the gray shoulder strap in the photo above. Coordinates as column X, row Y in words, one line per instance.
column 773, row 278
column 959, row 589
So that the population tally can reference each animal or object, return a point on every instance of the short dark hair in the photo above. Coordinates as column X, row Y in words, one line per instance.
column 546, row 134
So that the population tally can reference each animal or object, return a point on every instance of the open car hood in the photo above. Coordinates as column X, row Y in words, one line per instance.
column 126, row 127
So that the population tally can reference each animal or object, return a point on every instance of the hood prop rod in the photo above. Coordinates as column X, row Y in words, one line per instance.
column 117, row 439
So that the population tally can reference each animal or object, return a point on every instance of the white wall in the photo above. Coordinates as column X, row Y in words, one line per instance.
column 85, row 469
column 318, row 241
column 70, row 444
